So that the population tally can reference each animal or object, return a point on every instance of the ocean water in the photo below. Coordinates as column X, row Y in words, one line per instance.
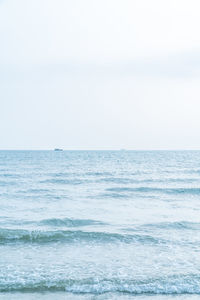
column 100, row 225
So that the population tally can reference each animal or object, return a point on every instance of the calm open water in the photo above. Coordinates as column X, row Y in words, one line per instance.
column 100, row 225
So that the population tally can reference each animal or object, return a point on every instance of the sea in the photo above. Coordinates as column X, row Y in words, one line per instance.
column 100, row 225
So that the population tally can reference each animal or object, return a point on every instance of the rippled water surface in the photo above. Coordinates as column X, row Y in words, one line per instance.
column 100, row 225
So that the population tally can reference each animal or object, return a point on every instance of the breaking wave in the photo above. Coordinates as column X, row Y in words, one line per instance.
column 67, row 236
column 179, row 284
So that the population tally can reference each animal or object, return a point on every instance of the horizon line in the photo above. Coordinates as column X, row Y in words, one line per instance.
column 122, row 150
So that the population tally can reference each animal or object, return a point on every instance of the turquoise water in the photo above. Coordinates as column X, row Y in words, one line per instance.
column 100, row 225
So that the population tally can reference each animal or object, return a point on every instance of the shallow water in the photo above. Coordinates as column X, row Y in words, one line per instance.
column 100, row 224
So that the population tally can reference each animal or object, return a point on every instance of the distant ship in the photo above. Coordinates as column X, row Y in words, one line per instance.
column 58, row 149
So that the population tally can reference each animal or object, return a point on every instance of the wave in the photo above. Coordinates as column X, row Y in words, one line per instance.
column 61, row 174
column 112, row 195
column 75, row 174
column 7, row 183
column 98, row 174
column 179, row 284
column 191, row 171
column 53, row 222
column 56, row 222
column 67, row 236
column 181, row 225
column 63, row 181
column 121, row 180
column 191, row 191
column 37, row 190
column 10, row 175
column 118, row 180
column 173, row 225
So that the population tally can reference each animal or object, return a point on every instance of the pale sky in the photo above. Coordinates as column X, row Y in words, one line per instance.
column 107, row 74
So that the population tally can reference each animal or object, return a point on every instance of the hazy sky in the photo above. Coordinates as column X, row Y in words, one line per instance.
column 107, row 74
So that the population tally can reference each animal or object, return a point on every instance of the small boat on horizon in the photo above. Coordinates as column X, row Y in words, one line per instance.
column 58, row 149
